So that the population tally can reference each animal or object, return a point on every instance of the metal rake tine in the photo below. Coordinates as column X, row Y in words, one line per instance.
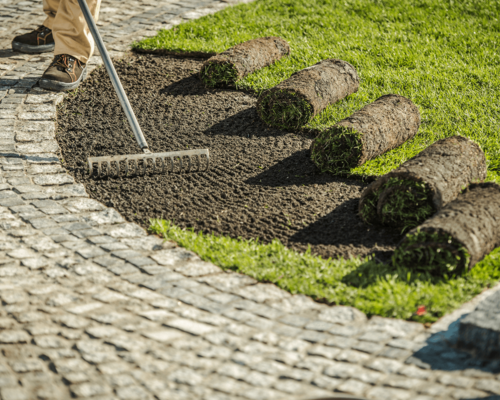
column 117, row 169
column 108, row 168
column 99, row 171
column 190, row 164
column 91, row 167
column 180, row 166
column 154, row 164
column 171, row 164
column 126, row 167
column 136, row 167
column 162, row 165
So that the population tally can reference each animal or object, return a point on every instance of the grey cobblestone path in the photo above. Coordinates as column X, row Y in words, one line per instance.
column 93, row 307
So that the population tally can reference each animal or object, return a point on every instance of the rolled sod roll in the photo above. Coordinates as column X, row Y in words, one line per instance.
column 458, row 236
column 295, row 101
column 241, row 60
column 378, row 127
column 413, row 192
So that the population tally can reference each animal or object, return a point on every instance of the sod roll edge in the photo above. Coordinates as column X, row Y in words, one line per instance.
column 228, row 67
column 378, row 127
column 295, row 101
column 458, row 236
column 424, row 184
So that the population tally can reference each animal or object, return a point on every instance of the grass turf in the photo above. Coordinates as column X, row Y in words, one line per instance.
column 284, row 109
column 219, row 74
column 443, row 55
column 437, row 253
column 372, row 287
column 337, row 150
column 406, row 208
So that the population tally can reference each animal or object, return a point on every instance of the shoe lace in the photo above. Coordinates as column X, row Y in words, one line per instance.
column 41, row 28
column 63, row 61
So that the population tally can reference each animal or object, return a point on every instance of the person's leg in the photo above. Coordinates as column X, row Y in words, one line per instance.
column 41, row 40
column 74, row 46
column 50, row 8
column 71, row 33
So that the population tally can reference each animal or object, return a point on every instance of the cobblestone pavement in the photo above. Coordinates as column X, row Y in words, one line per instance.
column 93, row 307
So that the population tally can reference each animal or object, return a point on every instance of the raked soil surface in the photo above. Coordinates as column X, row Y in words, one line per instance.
column 261, row 183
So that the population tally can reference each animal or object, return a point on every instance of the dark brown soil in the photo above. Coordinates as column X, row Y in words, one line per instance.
column 261, row 182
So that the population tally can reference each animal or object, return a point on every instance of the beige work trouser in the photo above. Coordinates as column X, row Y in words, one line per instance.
column 71, row 34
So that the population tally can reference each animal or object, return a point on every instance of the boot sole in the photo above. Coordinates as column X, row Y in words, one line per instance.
column 62, row 86
column 32, row 49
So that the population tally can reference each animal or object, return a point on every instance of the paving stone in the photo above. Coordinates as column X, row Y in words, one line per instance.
column 385, row 365
column 195, row 328
column 89, row 389
column 353, row 386
column 124, row 231
column 488, row 385
column 14, row 393
column 368, row 347
column 90, row 252
column 379, row 393
column 26, row 365
column 13, row 336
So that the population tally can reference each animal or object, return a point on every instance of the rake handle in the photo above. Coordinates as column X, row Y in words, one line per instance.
column 141, row 140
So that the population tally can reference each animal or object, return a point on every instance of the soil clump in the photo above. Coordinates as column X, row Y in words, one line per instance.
column 261, row 183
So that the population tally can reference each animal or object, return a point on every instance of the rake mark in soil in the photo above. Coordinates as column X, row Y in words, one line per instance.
column 411, row 193
column 261, row 183
column 228, row 67
column 295, row 101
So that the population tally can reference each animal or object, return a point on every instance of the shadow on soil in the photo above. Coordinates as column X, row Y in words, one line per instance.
column 324, row 231
column 188, row 86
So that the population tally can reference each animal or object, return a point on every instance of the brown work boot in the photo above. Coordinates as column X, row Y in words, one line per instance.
column 64, row 73
column 40, row 40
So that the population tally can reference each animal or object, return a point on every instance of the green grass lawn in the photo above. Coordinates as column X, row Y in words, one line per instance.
column 443, row 55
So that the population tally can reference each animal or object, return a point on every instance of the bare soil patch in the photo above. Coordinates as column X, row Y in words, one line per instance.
column 262, row 183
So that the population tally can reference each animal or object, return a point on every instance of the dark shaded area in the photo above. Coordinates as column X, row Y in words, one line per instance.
column 261, row 184
column 440, row 353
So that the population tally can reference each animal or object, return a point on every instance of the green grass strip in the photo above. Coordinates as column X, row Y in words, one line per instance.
column 372, row 287
column 284, row 109
column 405, row 208
column 443, row 55
column 337, row 150
column 437, row 253
column 217, row 74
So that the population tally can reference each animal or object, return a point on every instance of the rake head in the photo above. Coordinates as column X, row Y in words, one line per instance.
column 139, row 164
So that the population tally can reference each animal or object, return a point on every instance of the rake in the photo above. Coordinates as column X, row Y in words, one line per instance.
column 173, row 161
